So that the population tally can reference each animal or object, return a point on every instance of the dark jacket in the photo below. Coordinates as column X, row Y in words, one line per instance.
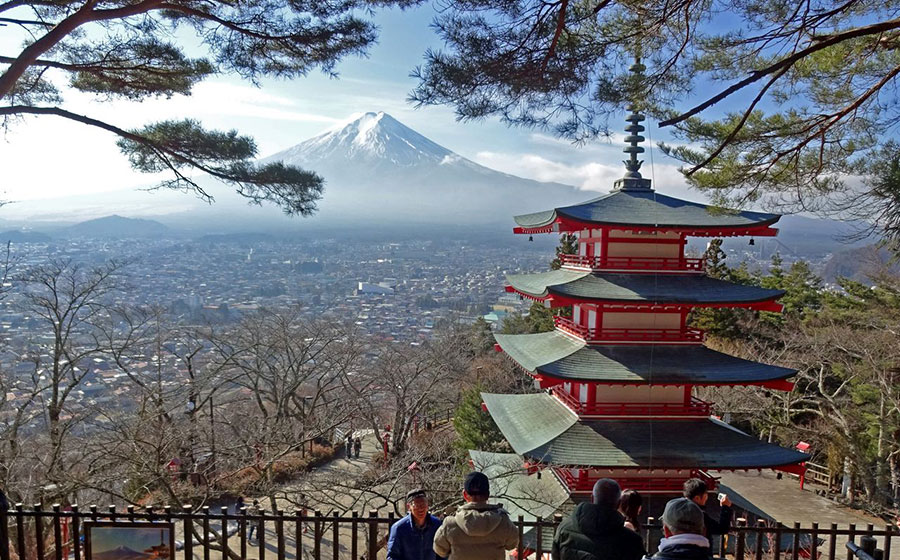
column 593, row 532
column 682, row 552
column 408, row 542
column 719, row 527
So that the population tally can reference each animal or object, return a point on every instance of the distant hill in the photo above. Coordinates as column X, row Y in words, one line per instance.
column 859, row 264
column 115, row 226
column 17, row 236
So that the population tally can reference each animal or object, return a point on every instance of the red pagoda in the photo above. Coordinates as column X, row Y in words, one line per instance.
column 619, row 375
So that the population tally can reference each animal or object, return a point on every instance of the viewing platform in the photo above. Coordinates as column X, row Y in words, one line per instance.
column 686, row 335
column 696, row 408
column 633, row 264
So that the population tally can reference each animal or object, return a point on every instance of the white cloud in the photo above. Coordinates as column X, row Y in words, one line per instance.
column 586, row 176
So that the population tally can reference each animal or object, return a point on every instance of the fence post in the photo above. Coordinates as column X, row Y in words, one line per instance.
column 832, row 545
column 317, row 535
column 539, row 536
column 814, row 542
column 740, row 535
column 335, row 538
column 223, row 538
column 372, row 549
column 888, row 530
column 354, row 536
column 76, row 532
column 38, row 531
column 760, row 525
column 20, row 530
column 205, row 514
column 188, row 531
column 261, row 534
column 57, row 531
column 4, row 535
column 776, row 545
column 796, row 543
column 519, row 548
column 279, row 533
column 851, row 536
column 298, row 533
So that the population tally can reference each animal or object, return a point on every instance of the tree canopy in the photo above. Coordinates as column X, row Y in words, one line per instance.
column 123, row 49
column 789, row 103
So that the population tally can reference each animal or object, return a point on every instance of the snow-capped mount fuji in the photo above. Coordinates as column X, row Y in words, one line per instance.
column 371, row 137
column 379, row 170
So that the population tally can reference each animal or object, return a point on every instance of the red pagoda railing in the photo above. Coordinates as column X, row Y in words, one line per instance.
column 696, row 407
column 623, row 336
column 655, row 264
column 673, row 485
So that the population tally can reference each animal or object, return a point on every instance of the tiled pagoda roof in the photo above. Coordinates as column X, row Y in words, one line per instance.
column 563, row 357
column 542, row 429
column 638, row 288
column 647, row 208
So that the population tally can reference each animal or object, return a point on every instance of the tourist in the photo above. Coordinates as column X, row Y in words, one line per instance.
column 348, row 447
column 630, row 505
column 683, row 530
column 412, row 537
column 478, row 530
column 254, row 523
column 698, row 492
column 357, row 447
column 596, row 531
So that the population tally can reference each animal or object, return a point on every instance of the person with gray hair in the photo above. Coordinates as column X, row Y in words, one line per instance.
column 596, row 531
column 683, row 529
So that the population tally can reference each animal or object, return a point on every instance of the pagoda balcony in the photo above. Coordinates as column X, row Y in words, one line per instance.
column 633, row 264
column 694, row 408
column 660, row 484
column 686, row 335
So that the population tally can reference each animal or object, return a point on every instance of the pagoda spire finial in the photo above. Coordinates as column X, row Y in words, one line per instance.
column 632, row 180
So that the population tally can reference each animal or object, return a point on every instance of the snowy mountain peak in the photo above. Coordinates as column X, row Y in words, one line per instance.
column 368, row 137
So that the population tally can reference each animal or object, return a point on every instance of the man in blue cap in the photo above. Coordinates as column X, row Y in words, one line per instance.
column 412, row 537
column 479, row 530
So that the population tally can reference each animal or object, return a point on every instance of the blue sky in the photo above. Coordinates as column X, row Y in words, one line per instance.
column 47, row 157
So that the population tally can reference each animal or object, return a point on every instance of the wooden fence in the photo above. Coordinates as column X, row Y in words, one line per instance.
column 42, row 534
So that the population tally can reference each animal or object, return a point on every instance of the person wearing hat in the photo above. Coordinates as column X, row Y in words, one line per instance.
column 479, row 530
column 683, row 529
column 596, row 530
column 411, row 538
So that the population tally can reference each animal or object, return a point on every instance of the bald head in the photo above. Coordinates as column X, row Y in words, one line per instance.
column 607, row 493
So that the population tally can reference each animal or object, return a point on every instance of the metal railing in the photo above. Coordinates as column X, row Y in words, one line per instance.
column 655, row 264
column 695, row 407
column 628, row 335
column 57, row 533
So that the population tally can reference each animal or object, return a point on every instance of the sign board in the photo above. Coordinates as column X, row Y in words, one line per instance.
column 129, row 540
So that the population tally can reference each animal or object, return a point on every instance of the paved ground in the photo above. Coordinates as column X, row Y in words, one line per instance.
column 783, row 500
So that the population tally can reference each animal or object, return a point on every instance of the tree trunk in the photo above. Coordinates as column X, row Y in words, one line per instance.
column 895, row 482
column 847, row 484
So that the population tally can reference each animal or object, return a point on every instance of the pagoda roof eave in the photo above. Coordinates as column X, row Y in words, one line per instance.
column 565, row 287
column 647, row 209
column 557, row 358
column 542, row 429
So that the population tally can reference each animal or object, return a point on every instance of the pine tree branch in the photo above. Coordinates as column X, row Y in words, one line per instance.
column 786, row 63
column 165, row 154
